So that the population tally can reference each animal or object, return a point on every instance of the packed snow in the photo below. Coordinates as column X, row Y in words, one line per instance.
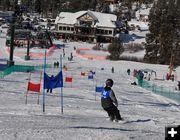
column 145, row 114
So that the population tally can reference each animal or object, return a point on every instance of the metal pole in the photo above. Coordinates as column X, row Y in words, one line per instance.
column 27, row 57
column 10, row 62
column 61, row 87
column 43, row 84
column 12, row 40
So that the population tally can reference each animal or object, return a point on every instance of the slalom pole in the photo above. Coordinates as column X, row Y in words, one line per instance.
column 40, row 89
column 95, row 83
column 62, row 85
column 43, row 84
column 27, row 87
column 95, row 89
column 72, row 79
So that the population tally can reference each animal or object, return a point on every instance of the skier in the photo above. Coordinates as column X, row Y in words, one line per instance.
column 109, row 101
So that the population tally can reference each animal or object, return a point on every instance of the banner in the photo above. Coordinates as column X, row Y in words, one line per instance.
column 90, row 76
column 82, row 73
column 53, row 82
column 68, row 79
column 34, row 87
column 99, row 89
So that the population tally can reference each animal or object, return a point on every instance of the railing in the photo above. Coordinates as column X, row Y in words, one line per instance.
column 22, row 68
column 170, row 93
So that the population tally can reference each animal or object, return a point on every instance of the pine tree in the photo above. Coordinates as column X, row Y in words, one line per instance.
column 38, row 5
column 176, row 45
column 115, row 49
column 167, row 32
column 93, row 4
column 160, row 40
column 6, row 4
column 152, row 39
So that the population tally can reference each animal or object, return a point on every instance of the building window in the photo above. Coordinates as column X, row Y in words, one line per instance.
column 102, row 31
column 105, row 32
column 110, row 32
column 68, row 28
column 72, row 29
column 64, row 28
column 98, row 31
column 60, row 28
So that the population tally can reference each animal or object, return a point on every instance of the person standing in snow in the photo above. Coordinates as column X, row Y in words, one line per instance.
column 128, row 71
column 178, row 85
column 57, row 64
column 50, row 88
column 149, row 77
column 112, row 69
column 109, row 101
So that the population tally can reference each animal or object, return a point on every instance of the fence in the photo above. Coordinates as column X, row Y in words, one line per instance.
column 168, row 92
column 163, row 91
column 22, row 68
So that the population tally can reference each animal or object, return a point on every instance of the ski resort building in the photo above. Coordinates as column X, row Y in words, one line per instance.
column 142, row 14
column 86, row 26
column 111, row 1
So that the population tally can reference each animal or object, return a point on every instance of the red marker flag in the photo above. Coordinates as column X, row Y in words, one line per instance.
column 68, row 79
column 34, row 87
column 65, row 68
column 82, row 73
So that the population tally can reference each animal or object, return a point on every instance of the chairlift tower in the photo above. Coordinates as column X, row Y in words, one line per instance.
column 10, row 62
column 27, row 57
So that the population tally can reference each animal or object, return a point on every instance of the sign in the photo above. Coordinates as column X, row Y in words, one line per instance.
column 172, row 133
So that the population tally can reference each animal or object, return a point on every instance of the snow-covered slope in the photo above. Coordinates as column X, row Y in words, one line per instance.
column 145, row 113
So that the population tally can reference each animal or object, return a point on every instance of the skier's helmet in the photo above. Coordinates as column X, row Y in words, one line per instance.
column 109, row 82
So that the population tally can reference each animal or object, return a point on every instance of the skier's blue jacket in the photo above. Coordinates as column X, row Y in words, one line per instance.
column 105, row 94
column 106, row 100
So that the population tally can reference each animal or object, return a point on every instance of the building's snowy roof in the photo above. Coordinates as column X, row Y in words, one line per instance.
column 144, row 11
column 142, row 25
column 104, row 20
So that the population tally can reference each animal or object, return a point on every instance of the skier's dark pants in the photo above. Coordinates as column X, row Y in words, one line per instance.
column 50, row 90
column 113, row 113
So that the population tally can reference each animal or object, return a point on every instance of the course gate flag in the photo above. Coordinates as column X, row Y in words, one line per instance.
column 34, row 87
column 99, row 89
column 68, row 79
column 53, row 82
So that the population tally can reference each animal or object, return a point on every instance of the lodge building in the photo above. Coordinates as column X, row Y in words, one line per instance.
column 86, row 26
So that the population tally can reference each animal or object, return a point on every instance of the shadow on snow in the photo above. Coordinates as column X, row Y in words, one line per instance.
column 100, row 128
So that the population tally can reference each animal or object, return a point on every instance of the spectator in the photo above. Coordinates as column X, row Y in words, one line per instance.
column 50, row 88
column 57, row 64
column 112, row 69
column 178, row 85
column 128, row 71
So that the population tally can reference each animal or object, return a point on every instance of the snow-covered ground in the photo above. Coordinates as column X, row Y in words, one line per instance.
column 145, row 114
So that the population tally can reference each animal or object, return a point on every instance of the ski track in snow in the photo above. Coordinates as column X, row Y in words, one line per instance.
column 145, row 114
